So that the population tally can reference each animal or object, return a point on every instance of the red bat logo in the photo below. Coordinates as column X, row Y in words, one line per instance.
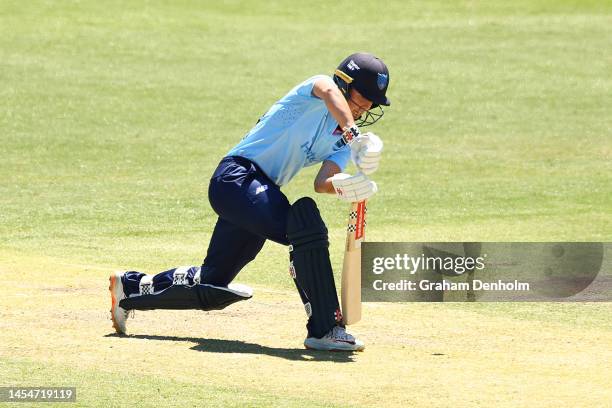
column 359, row 224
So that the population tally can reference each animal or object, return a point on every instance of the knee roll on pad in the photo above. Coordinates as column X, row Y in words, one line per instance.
column 309, row 255
column 305, row 227
column 185, row 292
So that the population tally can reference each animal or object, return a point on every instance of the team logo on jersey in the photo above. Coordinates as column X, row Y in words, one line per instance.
column 352, row 65
column 381, row 81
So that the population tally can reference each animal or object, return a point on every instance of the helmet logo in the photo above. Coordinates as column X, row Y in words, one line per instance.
column 352, row 65
column 381, row 81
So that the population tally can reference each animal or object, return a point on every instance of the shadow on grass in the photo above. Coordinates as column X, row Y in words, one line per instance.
column 236, row 346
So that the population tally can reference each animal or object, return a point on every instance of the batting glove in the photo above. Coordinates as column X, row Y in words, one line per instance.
column 366, row 151
column 353, row 188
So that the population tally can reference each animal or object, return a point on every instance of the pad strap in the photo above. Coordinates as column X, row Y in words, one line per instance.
column 146, row 285
column 180, row 276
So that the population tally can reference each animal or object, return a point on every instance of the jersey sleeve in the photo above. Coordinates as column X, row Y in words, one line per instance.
column 305, row 88
column 341, row 158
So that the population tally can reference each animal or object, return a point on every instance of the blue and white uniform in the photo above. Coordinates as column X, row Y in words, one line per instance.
column 296, row 132
column 245, row 191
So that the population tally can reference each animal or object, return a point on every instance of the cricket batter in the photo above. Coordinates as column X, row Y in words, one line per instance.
column 316, row 122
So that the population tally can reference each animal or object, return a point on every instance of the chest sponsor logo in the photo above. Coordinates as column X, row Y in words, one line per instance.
column 310, row 156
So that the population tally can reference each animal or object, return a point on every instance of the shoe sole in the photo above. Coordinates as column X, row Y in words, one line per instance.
column 334, row 349
column 111, row 288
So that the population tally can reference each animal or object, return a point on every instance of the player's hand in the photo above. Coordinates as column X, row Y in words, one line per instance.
column 366, row 151
column 353, row 188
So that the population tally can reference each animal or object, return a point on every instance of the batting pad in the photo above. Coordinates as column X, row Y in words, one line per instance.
column 314, row 277
column 198, row 296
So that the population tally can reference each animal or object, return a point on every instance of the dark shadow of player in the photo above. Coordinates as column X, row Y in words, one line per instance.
column 236, row 346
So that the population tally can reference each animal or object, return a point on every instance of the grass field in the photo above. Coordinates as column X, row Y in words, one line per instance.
column 113, row 116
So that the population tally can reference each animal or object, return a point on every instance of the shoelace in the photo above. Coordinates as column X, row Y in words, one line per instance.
column 339, row 333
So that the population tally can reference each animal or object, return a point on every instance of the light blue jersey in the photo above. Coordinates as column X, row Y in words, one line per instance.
column 296, row 132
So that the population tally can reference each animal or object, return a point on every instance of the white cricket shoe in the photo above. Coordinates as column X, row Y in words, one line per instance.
column 118, row 314
column 336, row 340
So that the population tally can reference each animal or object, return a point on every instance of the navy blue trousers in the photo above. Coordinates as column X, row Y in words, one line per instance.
column 251, row 209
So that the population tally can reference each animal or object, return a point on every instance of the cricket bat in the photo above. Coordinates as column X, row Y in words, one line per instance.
column 351, row 268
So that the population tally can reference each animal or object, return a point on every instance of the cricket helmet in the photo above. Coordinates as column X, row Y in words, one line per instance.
column 370, row 77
